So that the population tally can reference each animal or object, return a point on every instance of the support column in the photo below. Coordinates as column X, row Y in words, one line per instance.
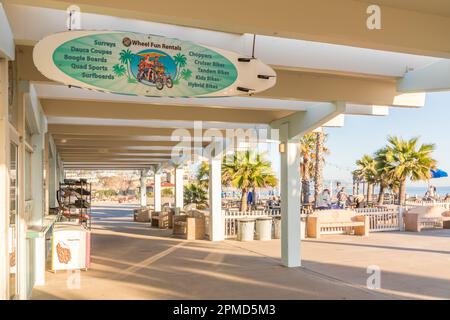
column 53, row 182
column 37, row 180
column 4, row 181
column 290, row 200
column 216, row 226
column 22, row 256
column 179, row 172
column 157, row 192
column 143, row 189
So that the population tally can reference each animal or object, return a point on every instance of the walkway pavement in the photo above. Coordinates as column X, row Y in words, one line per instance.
column 133, row 261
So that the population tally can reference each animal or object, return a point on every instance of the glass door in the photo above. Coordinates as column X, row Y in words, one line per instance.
column 13, row 219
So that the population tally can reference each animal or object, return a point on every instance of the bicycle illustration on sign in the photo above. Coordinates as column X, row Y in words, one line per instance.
column 153, row 68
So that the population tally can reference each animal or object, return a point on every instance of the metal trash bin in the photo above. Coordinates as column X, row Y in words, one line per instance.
column 263, row 228
column 246, row 229
column 303, row 227
column 277, row 227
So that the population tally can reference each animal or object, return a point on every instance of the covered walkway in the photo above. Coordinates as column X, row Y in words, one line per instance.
column 325, row 72
column 126, row 265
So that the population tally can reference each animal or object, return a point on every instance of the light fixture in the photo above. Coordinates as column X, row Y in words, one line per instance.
column 282, row 147
column 63, row 140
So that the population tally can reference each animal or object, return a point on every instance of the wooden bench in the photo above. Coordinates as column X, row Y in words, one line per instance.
column 191, row 226
column 336, row 221
column 426, row 217
column 141, row 215
column 162, row 219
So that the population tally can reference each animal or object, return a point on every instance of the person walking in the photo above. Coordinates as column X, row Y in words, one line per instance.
column 342, row 198
column 249, row 200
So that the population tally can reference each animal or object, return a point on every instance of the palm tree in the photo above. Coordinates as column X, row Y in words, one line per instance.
column 119, row 70
column 180, row 61
column 186, row 74
column 203, row 175
column 367, row 171
column 125, row 57
column 247, row 170
column 406, row 159
column 308, row 150
column 195, row 193
column 385, row 177
column 318, row 174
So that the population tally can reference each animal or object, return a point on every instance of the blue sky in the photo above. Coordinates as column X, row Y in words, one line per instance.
column 361, row 135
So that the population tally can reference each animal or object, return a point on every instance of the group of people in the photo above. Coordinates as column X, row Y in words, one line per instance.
column 274, row 202
column 149, row 68
column 325, row 201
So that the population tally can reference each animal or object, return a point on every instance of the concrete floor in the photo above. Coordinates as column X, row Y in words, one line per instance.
column 133, row 261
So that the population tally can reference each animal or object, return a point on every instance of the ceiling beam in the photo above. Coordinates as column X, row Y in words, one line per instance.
column 306, row 121
column 112, row 150
column 100, row 144
column 406, row 26
column 435, row 77
column 96, row 156
column 7, row 47
column 66, row 137
column 80, row 130
column 291, row 85
column 330, row 87
column 134, row 111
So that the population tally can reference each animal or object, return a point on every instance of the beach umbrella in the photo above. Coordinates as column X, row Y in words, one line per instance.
column 438, row 173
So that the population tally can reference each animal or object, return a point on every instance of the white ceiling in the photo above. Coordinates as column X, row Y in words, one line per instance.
column 30, row 24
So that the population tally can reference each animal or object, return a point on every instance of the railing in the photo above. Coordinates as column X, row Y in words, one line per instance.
column 428, row 203
column 380, row 219
column 383, row 219
column 231, row 218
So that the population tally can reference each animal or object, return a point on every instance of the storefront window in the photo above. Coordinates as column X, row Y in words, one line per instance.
column 12, row 230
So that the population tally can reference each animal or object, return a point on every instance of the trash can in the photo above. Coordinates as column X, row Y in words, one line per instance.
column 246, row 229
column 264, row 228
column 303, row 227
column 277, row 227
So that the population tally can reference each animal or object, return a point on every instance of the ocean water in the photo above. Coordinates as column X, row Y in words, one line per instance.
column 420, row 191
column 411, row 191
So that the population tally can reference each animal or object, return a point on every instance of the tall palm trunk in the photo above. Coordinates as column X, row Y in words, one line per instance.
column 305, row 178
column 305, row 191
column 381, row 194
column 318, row 174
column 369, row 191
column 402, row 192
column 244, row 200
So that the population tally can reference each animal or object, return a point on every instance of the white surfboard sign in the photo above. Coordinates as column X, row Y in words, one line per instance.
column 148, row 65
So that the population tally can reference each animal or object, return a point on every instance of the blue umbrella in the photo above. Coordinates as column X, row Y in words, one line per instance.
column 438, row 173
